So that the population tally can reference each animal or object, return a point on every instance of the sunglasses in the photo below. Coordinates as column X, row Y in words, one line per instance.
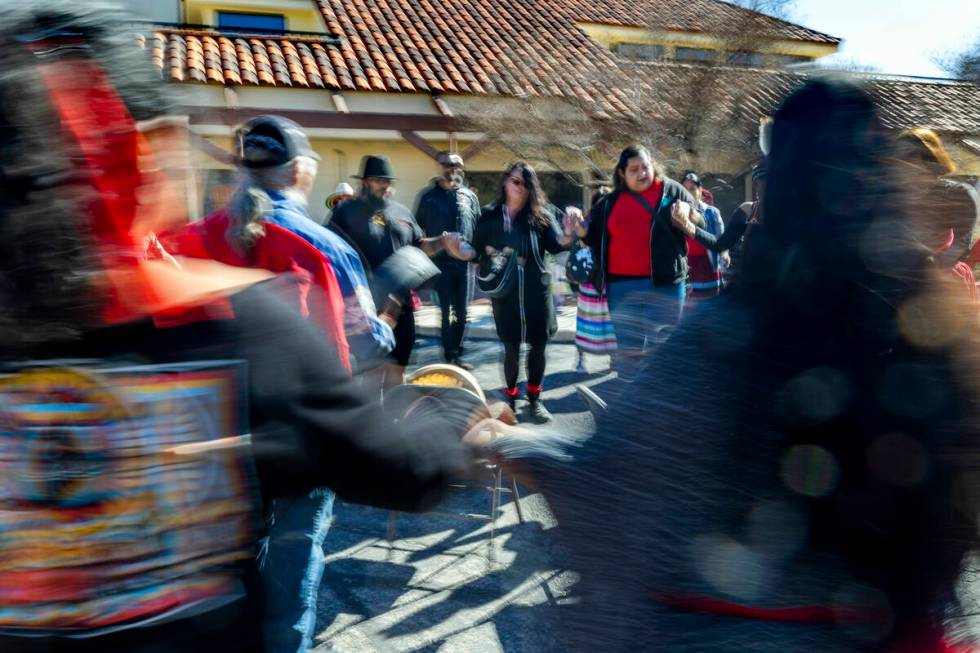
column 516, row 181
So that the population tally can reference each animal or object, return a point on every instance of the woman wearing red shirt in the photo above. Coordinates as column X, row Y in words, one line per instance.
column 642, row 259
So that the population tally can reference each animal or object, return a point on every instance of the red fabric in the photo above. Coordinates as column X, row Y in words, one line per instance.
column 629, row 233
column 927, row 639
column 511, row 392
column 95, row 117
column 694, row 248
column 964, row 273
column 105, row 134
column 534, row 389
column 316, row 291
column 810, row 614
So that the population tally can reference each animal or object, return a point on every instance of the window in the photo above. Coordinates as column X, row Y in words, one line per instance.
column 231, row 21
column 746, row 59
column 694, row 54
column 640, row 51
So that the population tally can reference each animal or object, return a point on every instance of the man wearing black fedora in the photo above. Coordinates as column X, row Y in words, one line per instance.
column 377, row 227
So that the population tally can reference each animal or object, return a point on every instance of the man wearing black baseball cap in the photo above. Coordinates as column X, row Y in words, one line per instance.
column 377, row 226
column 449, row 206
column 269, row 141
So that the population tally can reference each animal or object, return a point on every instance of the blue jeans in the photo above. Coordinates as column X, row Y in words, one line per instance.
column 642, row 314
column 291, row 563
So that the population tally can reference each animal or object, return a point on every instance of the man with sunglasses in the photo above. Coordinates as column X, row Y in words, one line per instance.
column 449, row 206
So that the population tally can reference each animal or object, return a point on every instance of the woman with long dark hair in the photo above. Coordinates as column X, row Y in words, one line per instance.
column 516, row 232
column 641, row 256
column 821, row 498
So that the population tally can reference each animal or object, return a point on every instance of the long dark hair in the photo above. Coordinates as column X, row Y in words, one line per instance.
column 630, row 152
column 844, row 301
column 49, row 269
column 536, row 206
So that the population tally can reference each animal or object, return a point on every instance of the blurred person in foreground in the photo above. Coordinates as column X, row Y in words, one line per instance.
column 276, row 168
column 78, row 287
column 449, row 206
column 809, row 482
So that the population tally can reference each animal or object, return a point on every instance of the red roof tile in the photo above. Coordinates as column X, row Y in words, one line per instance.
column 523, row 49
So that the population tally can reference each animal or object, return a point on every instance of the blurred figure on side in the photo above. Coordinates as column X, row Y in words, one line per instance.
column 949, row 211
column 79, row 285
column 807, row 483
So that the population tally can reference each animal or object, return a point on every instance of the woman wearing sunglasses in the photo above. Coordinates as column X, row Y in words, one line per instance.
column 509, row 243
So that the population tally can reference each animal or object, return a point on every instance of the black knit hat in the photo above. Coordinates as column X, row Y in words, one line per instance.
column 377, row 166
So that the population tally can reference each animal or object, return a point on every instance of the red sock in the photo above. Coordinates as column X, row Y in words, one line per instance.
column 533, row 392
column 511, row 392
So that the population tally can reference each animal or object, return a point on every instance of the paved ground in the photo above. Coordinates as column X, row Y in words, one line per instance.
column 438, row 587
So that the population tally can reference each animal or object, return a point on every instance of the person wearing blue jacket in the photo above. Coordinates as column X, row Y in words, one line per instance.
column 278, row 146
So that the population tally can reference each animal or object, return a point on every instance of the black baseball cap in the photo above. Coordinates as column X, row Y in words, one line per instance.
column 269, row 141
column 450, row 160
column 693, row 178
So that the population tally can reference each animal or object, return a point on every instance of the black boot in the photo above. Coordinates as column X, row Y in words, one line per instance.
column 539, row 414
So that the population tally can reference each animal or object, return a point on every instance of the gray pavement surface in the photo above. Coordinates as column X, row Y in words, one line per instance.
column 441, row 586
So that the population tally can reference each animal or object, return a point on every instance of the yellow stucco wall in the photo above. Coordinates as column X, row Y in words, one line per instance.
column 612, row 35
column 301, row 16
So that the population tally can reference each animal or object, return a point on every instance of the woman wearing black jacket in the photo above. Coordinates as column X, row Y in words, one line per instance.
column 522, row 224
column 642, row 257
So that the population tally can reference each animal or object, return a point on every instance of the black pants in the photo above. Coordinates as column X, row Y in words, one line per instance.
column 535, row 365
column 451, row 287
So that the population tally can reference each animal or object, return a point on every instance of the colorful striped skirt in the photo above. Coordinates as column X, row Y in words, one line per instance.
column 594, row 331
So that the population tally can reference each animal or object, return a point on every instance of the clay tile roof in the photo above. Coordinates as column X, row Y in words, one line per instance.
column 204, row 56
column 742, row 95
column 522, row 49
column 681, row 15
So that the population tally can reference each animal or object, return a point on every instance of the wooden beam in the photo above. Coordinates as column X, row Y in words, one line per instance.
column 326, row 119
column 420, row 143
column 475, row 148
column 442, row 106
column 339, row 103
column 212, row 150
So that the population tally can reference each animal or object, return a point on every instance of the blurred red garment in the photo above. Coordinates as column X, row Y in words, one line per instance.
column 316, row 292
